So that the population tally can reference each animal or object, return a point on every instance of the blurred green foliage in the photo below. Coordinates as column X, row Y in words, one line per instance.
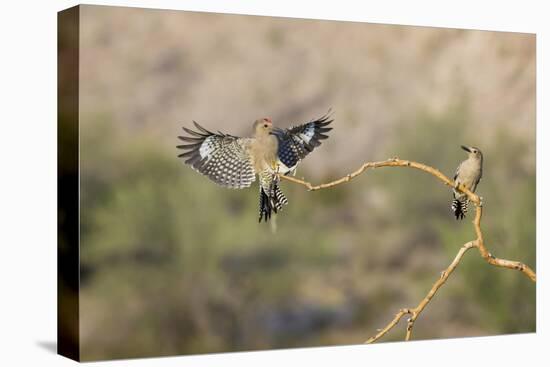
column 172, row 263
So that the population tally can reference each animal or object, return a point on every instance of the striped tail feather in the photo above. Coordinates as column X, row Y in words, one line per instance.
column 265, row 209
column 280, row 198
column 271, row 202
column 460, row 208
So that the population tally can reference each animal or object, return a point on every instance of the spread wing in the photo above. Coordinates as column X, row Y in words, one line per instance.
column 223, row 158
column 298, row 141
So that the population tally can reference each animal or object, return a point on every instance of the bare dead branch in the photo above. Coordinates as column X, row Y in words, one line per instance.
column 381, row 332
column 478, row 242
column 487, row 256
column 392, row 162
column 442, row 279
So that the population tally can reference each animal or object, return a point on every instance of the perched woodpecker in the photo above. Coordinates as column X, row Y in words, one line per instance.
column 234, row 162
column 468, row 174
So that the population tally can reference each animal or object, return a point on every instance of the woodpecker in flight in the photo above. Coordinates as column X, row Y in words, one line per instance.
column 234, row 162
column 468, row 174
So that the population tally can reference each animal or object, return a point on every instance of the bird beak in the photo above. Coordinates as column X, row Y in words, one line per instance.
column 466, row 148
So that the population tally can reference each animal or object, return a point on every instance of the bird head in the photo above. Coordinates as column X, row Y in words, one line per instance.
column 262, row 126
column 473, row 152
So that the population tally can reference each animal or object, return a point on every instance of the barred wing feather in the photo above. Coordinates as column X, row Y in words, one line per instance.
column 297, row 142
column 223, row 158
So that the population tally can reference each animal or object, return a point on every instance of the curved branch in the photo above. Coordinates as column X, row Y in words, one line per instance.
column 381, row 332
column 415, row 312
column 392, row 162
column 487, row 256
column 478, row 242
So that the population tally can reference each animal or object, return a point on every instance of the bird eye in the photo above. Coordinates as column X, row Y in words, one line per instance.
column 265, row 125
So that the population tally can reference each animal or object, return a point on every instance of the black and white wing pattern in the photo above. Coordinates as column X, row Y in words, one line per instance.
column 223, row 158
column 298, row 141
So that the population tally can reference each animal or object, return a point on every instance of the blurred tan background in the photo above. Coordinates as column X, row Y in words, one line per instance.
column 173, row 264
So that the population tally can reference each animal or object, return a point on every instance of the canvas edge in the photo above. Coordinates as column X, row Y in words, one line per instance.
column 68, row 265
